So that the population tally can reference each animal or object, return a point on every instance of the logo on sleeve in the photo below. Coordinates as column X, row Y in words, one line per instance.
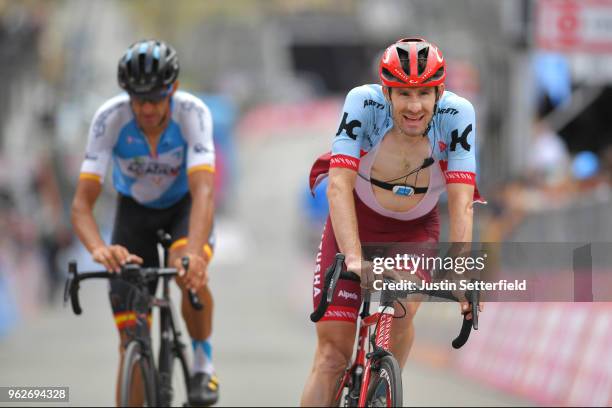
column 462, row 140
column 99, row 126
column 442, row 146
column 200, row 148
column 188, row 106
column 371, row 102
column 348, row 127
column 450, row 111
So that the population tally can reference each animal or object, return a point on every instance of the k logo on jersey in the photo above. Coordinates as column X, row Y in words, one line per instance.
column 462, row 140
column 348, row 127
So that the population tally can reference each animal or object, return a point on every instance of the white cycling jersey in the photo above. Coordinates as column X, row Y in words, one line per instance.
column 155, row 179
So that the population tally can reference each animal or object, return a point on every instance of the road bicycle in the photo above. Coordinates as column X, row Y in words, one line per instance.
column 138, row 358
column 374, row 377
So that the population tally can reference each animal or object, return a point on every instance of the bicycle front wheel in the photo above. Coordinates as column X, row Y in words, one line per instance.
column 180, row 375
column 385, row 389
column 137, row 378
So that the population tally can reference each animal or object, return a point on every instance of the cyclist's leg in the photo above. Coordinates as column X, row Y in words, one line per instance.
column 129, row 231
column 335, row 332
column 125, row 321
column 420, row 236
column 199, row 323
column 204, row 387
column 335, row 341
column 402, row 332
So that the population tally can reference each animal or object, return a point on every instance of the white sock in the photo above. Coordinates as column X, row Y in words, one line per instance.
column 202, row 357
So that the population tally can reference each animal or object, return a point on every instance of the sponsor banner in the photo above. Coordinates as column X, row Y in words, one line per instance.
column 574, row 26
column 552, row 353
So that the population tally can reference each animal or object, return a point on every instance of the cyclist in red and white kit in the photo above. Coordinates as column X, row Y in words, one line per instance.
column 399, row 146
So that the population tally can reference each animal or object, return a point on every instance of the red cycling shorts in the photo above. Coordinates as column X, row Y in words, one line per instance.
column 373, row 228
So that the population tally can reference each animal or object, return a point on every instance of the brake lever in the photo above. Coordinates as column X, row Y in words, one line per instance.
column 194, row 299
column 475, row 302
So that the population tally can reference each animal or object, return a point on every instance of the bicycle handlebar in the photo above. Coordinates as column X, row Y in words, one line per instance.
column 332, row 275
column 473, row 297
column 128, row 272
column 335, row 272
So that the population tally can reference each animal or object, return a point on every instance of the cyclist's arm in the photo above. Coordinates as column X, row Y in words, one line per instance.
column 460, row 130
column 197, row 125
column 460, row 208
column 202, row 210
column 461, row 211
column 343, row 215
column 82, row 216
column 86, row 228
column 344, row 164
column 102, row 136
column 103, row 133
column 461, row 180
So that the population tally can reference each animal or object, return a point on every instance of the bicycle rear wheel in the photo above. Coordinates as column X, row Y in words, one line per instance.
column 385, row 389
column 137, row 378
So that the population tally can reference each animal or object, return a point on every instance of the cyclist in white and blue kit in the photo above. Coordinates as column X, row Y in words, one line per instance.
column 161, row 146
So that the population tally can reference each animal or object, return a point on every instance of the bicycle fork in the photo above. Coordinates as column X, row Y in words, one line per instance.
column 381, row 344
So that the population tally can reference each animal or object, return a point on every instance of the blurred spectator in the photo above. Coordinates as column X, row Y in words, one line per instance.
column 552, row 79
column 8, row 312
column 315, row 208
column 547, row 158
column 606, row 164
column 590, row 182
column 585, row 166
column 50, row 189
column 19, row 259
column 505, row 210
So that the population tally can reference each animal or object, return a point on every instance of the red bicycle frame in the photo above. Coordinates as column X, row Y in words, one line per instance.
column 382, row 321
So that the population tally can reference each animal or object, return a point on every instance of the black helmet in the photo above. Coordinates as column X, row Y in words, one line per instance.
column 148, row 66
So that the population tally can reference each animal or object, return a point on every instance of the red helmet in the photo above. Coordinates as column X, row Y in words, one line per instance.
column 412, row 62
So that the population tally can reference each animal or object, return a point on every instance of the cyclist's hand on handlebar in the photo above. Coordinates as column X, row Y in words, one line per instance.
column 364, row 270
column 113, row 257
column 196, row 276
column 466, row 308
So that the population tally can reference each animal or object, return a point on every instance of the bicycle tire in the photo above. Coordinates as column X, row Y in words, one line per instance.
column 173, row 383
column 179, row 356
column 134, row 359
column 385, row 389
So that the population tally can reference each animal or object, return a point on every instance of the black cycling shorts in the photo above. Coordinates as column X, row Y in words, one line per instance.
column 136, row 229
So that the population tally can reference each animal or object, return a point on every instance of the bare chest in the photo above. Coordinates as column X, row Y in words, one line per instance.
column 393, row 162
column 398, row 158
